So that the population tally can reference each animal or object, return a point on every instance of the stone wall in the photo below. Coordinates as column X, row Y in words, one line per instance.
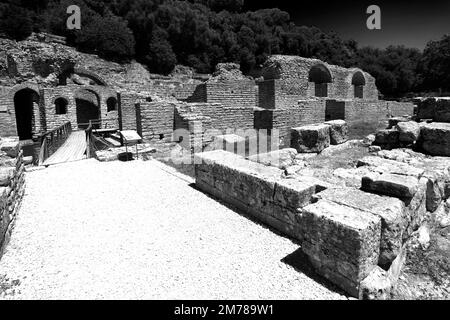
column 239, row 93
column 293, row 75
column 12, row 186
column 44, row 110
column 347, row 233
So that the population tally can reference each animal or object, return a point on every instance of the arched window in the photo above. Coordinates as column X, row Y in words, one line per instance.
column 321, row 76
column 111, row 104
column 358, row 82
column 61, row 106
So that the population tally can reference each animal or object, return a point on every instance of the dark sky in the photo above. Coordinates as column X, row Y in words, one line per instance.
column 412, row 23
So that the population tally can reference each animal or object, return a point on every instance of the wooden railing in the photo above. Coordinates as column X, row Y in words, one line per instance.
column 52, row 140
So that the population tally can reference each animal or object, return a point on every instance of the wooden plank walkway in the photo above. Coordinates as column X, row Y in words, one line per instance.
column 73, row 149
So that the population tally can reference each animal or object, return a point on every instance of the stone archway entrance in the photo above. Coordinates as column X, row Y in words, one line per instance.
column 88, row 107
column 24, row 101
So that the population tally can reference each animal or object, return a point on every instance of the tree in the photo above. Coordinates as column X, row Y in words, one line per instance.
column 15, row 21
column 434, row 67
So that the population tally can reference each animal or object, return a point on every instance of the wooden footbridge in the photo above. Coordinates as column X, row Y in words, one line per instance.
column 64, row 145
column 73, row 149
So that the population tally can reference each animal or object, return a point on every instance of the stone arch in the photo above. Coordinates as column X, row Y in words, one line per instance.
column 358, row 83
column 62, row 76
column 61, row 104
column 26, row 109
column 321, row 76
column 87, row 102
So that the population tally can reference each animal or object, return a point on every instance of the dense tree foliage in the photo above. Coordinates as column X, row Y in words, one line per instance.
column 201, row 33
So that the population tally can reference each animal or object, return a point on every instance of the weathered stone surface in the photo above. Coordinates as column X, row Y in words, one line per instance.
column 342, row 243
column 368, row 140
column 338, row 131
column 10, row 146
column 434, row 108
column 408, row 131
column 293, row 193
column 312, row 138
column 426, row 109
column 374, row 148
column 381, row 165
column 279, row 158
column 352, row 176
column 6, row 175
column 387, row 139
column 376, row 286
column 28, row 160
column 416, row 207
column 392, row 212
column 435, row 139
column 395, row 185
column 392, row 122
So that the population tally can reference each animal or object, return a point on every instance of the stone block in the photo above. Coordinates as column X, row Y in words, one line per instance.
column 442, row 110
column 282, row 158
column 381, row 165
column 416, row 208
column 408, row 131
column 394, row 185
column 338, row 131
column 388, row 139
column 426, row 108
column 342, row 243
column 293, row 193
column 392, row 122
column 435, row 139
column 6, row 175
column 376, row 286
column 310, row 139
column 391, row 211
column 10, row 146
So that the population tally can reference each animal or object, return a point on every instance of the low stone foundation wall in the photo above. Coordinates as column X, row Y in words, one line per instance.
column 12, row 186
column 351, row 236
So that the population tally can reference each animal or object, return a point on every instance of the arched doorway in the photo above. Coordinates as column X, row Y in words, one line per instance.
column 88, row 107
column 321, row 76
column 358, row 82
column 24, row 101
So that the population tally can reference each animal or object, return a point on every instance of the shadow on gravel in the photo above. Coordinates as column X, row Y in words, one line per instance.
column 300, row 262
column 297, row 259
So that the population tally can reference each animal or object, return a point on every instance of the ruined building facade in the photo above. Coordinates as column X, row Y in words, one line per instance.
column 291, row 92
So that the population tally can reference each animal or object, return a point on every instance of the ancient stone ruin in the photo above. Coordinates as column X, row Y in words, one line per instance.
column 352, row 223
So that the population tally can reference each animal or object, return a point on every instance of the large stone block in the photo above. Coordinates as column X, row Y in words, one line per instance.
column 435, row 138
column 293, row 193
column 10, row 146
column 312, row 138
column 394, row 185
column 437, row 109
column 342, row 242
column 387, row 139
column 442, row 111
column 381, row 165
column 279, row 158
column 338, row 131
column 408, row 131
column 392, row 212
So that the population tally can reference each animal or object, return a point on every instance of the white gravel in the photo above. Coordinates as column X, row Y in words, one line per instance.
column 91, row 230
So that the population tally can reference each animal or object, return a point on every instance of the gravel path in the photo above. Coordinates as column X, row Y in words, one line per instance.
column 91, row 230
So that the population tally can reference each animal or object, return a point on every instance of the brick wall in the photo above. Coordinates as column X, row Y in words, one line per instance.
column 240, row 93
